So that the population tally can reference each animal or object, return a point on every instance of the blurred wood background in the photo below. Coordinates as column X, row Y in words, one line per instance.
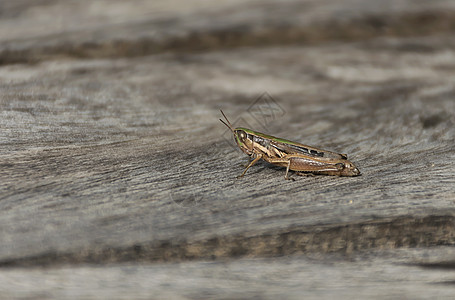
column 118, row 181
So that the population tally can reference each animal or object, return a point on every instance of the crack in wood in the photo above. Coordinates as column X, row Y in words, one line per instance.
column 356, row 29
column 400, row 232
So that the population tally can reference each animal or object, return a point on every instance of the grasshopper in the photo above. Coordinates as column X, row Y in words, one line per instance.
column 292, row 155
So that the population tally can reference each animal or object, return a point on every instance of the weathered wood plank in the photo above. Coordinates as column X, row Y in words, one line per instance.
column 103, row 159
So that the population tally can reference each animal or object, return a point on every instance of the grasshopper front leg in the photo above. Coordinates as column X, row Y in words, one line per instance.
column 249, row 160
column 258, row 157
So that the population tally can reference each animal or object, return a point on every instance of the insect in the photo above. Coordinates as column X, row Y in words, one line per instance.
column 294, row 156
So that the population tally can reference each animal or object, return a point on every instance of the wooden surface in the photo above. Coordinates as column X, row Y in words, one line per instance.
column 118, row 180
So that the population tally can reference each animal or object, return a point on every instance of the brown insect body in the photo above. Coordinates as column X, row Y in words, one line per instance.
column 292, row 155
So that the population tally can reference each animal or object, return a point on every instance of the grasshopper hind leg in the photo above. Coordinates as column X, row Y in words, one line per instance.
column 306, row 174
column 287, row 172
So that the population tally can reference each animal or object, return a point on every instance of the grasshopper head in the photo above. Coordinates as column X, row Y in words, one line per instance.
column 243, row 140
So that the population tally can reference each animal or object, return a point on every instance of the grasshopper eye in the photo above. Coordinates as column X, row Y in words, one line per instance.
column 242, row 135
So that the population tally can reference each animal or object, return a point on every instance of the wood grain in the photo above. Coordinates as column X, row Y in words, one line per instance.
column 109, row 155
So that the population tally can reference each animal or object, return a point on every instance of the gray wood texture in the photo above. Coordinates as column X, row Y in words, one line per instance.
column 118, row 180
